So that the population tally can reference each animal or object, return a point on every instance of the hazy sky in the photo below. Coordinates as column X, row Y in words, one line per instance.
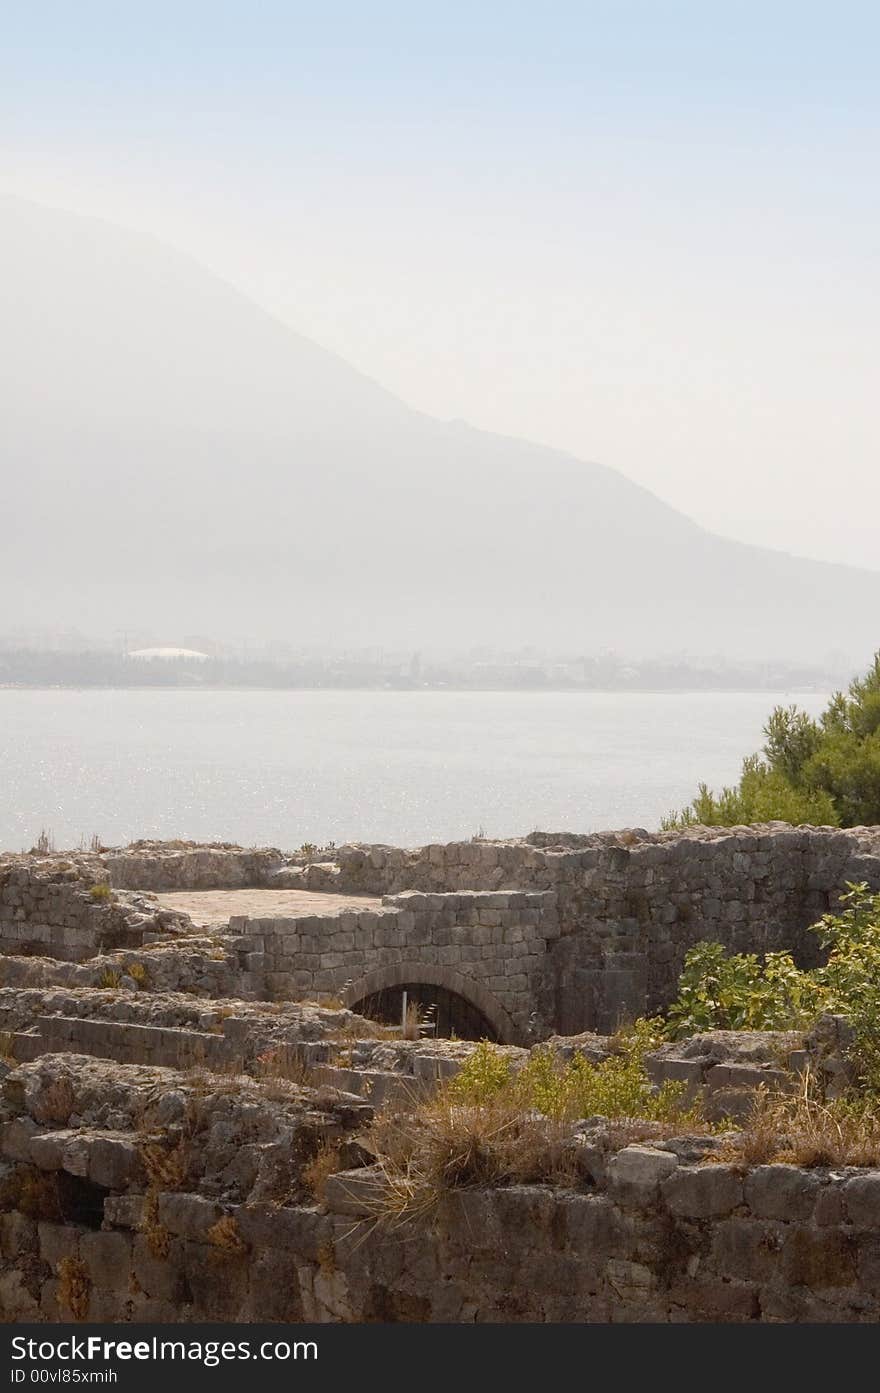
column 644, row 232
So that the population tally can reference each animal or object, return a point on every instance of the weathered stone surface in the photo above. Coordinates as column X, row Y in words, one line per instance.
column 861, row 1196
column 588, row 920
column 190, row 1199
column 107, row 1257
column 816, row 1258
column 781, row 1192
column 634, row 1174
column 692, row 1247
column 704, row 1192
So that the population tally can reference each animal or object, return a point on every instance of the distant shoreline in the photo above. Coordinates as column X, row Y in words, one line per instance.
column 690, row 690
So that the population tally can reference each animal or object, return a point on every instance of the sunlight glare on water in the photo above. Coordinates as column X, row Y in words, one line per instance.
column 282, row 768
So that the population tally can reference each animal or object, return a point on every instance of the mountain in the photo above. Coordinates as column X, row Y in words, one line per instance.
column 176, row 459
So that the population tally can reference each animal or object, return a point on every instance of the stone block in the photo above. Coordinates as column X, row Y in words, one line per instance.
column 57, row 1241
column 818, row 1258
column 830, row 1206
column 114, row 1162
column 124, row 1211
column 359, row 1193
column 18, row 1235
column 188, row 1216
column 862, row 1199
column 591, row 1226
column 630, row 1280
column 160, row 1277
column 16, row 1137
column 747, row 1248
column 703, row 1192
column 217, row 1280
column 302, row 1231
column 273, row 1289
column 635, row 1174
column 781, row 1192
column 108, row 1259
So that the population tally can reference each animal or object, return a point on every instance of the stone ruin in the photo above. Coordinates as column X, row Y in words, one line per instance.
column 153, row 1167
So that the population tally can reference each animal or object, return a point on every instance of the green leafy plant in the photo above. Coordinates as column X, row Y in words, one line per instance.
column 484, row 1074
column 498, row 1122
column 740, row 991
column 718, row 990
column 825, row 772
column 566, row 1090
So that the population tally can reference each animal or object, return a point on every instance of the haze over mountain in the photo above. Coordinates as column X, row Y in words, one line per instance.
column 177, row 459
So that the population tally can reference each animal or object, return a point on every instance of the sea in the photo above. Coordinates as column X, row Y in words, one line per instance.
column 400, row 767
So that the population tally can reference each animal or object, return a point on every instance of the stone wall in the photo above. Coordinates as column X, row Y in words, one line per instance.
column 199, row 965
column 608, row 921
column 63, row 910
column 173, row 1030
column 165, row 867
column 616, row 913
column 780, row 1245
column 655, row 1231
column 630, row 904
column 489, row 946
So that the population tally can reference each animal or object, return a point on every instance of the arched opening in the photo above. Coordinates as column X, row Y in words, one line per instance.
column 461, row 1005
column 445, row 1013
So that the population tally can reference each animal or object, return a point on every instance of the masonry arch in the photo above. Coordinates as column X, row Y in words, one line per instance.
column 427, row 976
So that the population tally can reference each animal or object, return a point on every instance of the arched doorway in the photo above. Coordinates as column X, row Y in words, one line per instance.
column 445, row 1014
column 461, row 1004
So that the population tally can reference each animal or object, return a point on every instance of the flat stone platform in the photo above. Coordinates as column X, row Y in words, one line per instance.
column 214, row 908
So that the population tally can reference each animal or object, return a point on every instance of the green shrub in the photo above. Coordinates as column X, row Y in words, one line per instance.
column 825, row 772
column 738, row 991
column 718, row 990
column 850, row 978
column 101, row 893
column 500, row 1123
column 565, row 1090
column 484, row 1074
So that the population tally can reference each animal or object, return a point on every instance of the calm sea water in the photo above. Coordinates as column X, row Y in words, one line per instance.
column 281, row 768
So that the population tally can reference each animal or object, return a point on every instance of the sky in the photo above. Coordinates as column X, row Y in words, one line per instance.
column 646, row 233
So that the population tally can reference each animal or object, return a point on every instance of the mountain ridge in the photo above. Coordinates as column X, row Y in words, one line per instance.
column 176, row 451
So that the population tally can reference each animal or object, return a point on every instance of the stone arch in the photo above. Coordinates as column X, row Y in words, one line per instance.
column 431, row 975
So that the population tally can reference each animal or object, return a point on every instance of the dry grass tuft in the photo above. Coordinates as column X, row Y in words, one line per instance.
column 445, row 1145
column 225, row 1237
column 74, row 1287
column 498, row 1124
column 31, row 1192
column 157, row 1236
column 285, row 1065
column 55, row 1103
column 805, row 1129
column 326, row 1162
column 362, row 1029
column 413, row 1021
column 166, row 1163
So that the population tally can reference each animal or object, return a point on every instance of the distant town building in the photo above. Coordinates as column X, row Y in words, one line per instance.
column 168, row 654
